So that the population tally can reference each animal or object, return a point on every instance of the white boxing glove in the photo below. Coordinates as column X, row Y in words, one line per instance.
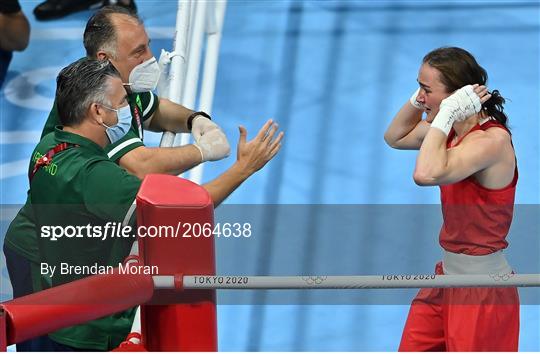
column 202, row 125
column 457, row 107
column 414, row 102
column 213, row 144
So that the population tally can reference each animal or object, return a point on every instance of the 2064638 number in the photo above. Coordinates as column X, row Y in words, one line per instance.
column 224, row 230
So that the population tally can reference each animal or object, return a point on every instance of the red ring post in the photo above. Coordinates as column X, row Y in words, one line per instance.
column 177, row 320
column 3, row 331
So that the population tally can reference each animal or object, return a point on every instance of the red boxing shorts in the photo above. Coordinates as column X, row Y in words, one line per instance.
column 462, row 319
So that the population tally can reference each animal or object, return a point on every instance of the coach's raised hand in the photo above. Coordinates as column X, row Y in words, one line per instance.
column 251, row 156
column 254, row 154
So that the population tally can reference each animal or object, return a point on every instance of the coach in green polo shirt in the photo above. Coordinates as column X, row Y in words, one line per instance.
column 74, row 183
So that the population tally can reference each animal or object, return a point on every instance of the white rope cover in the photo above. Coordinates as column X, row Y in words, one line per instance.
column 350, row 282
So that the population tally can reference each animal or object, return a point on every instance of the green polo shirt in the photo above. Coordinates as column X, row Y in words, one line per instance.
column 21, row 234
column 81, row 187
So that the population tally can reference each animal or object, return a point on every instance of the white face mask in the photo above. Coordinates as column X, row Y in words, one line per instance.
column 145, row 76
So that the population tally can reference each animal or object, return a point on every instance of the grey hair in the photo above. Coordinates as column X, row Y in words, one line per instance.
column 100, row 33
column 80, row 84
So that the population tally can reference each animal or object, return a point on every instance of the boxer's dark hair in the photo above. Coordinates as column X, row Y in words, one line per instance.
column 459, row 68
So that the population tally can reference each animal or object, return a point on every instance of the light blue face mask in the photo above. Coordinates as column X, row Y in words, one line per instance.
column 120, row 129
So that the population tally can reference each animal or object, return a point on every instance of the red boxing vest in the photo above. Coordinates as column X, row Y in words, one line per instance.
column 476, row 218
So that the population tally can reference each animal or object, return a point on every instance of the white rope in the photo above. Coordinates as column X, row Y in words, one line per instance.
column 178, row 65
column 136, row 325
column 191, row 81
column 215, row 14
column 350, row 282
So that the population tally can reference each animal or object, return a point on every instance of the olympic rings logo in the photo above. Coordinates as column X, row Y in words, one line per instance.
column 311, row 280
column 501, row 276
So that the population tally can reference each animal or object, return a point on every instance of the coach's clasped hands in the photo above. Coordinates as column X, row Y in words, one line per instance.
column 209, row 139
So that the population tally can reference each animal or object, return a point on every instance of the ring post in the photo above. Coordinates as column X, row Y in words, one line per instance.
column 177, row 320
column 3, row 330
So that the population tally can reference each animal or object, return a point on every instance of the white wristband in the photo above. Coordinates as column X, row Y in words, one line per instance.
column 414, row 102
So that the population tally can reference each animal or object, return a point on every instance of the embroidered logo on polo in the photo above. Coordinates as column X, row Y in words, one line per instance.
column 45, row 161
column 51, row 167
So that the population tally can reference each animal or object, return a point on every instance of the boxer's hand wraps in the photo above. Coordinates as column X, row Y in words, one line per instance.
column 456, row 108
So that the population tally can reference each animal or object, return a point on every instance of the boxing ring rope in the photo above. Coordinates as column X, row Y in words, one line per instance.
column 196, row 22
column 348, row 282
column 178, row 310
column 195, row 44
column 215, row 14
column 171, row 87
column 75, row 303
